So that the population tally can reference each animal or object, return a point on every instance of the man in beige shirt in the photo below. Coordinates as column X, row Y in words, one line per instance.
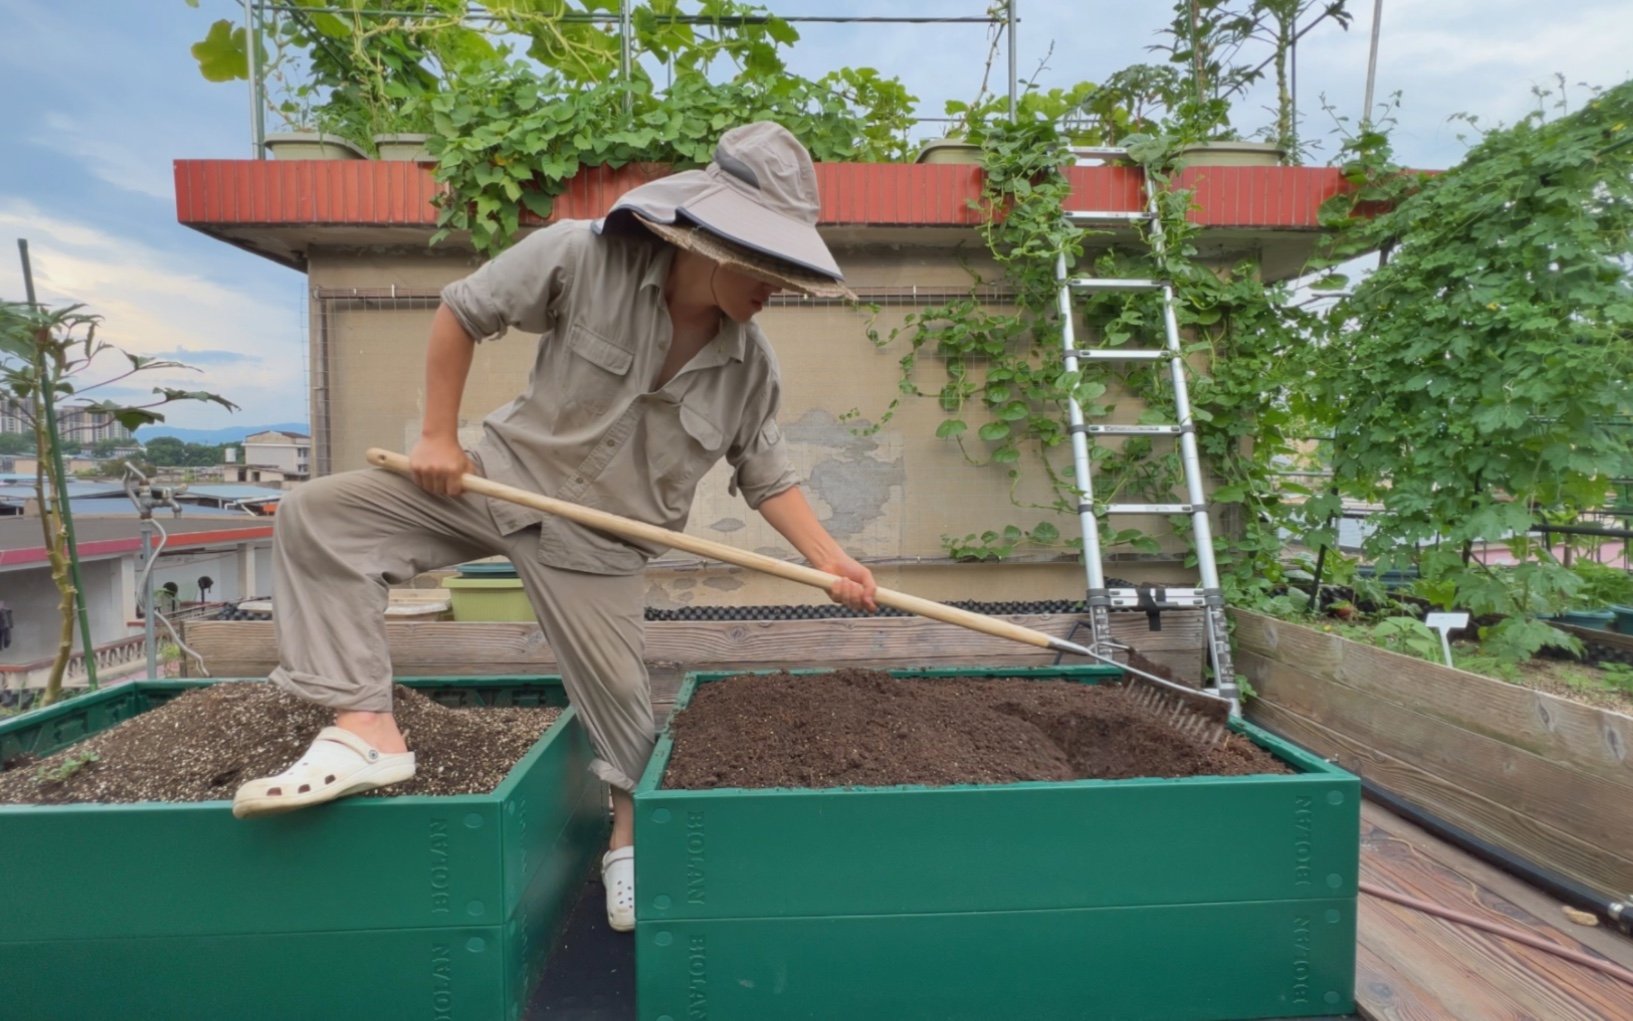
column 649, row 371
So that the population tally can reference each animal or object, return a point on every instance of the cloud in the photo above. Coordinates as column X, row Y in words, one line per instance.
column 190, row 356
column 247, row 348
column 123, row 165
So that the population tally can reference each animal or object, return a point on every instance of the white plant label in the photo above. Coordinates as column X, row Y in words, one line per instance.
column 1445, row 621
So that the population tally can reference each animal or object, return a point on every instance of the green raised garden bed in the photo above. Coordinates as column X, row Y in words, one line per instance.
column 1143, row 900
column 409, row 907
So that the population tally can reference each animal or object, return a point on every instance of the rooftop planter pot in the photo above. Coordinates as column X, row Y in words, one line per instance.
column 1229, row 154
column 311, row 145
column 404, row 145
column 949, row 150
column 1181, row 900
column 407, row 907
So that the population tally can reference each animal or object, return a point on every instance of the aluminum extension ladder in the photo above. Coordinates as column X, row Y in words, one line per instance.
column 1208, row 597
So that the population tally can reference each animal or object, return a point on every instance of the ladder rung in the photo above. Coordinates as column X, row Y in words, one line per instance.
column 1150, row 508
column 1090, row 216
column 1135, row 430
column 1119, row 354
column 1122, row 598
column 1113, row 284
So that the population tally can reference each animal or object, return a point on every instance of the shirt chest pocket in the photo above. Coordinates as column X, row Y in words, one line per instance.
column 591, row 374
column 685, row 446
column 701, row 432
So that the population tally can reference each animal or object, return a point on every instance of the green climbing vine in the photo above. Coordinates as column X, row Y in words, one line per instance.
column 1477, row 380
column 508, row 138
column 1002, row 387
column 509, row 131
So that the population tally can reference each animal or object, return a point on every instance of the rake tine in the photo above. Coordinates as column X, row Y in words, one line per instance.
column 1167, row 701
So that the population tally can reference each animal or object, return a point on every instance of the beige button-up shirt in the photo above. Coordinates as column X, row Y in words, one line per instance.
column 590, row 428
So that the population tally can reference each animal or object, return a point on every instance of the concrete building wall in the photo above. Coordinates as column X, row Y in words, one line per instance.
column 185, row 569
column 889, row 494
column 286, row 457
column 34, row 602
column 263, row 572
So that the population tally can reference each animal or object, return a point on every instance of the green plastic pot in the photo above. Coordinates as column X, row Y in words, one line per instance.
column 1599, row 620
column 1624, row 618
column 494, row 598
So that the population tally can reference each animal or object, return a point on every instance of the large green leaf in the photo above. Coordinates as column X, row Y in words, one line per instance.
column 222, row 55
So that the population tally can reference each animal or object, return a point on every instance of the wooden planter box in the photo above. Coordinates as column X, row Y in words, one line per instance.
column 1542, row 776
column 1194, row 899
column 407, row 907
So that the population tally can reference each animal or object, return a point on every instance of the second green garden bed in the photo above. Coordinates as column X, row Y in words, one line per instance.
column 1194, row 899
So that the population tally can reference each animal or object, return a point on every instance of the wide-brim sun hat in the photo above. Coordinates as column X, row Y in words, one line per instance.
column 747, row 261
column 753, row 209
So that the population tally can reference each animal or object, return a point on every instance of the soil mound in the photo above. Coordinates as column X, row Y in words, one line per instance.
column 864, row 728
column 202, row 745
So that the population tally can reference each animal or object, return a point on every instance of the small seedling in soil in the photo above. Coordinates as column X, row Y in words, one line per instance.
column 66, row 768
column 1617, row 676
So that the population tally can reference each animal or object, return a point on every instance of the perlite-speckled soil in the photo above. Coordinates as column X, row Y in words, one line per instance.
column 864, row 728
column 202, row 745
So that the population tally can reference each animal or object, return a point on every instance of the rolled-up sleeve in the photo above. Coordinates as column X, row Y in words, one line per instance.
column 760, row 464
column 520, row 287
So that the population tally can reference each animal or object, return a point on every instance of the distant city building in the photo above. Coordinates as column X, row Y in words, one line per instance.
column 280, row 458
column 78, row 425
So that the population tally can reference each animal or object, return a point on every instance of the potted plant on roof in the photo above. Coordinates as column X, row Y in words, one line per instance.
column 1206, row 42
column 1606, row 595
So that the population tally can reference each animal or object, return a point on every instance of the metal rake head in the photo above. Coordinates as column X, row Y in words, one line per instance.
column 1199, row 715
column 1179, row 713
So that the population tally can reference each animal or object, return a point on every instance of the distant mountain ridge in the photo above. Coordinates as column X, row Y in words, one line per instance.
column 212, row 437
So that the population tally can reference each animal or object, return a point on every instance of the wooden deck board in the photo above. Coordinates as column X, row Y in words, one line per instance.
column 1384, row 993
column 1411, row 965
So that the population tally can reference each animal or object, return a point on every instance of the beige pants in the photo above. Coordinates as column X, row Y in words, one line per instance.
column 342, row 540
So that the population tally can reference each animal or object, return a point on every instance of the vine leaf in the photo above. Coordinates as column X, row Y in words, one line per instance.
column 222, row 55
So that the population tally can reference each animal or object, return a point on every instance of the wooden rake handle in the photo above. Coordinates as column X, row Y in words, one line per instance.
column 631, row 529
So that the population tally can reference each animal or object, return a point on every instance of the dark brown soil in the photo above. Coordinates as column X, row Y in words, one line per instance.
column 862, row 728
column 202, row 745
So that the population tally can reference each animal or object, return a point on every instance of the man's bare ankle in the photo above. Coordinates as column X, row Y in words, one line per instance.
column 378, row 729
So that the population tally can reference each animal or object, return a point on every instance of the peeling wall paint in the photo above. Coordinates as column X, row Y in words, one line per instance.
column 858, row 480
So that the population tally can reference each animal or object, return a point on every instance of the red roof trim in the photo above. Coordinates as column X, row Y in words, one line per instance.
column 110, row 547
column 319, row 193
